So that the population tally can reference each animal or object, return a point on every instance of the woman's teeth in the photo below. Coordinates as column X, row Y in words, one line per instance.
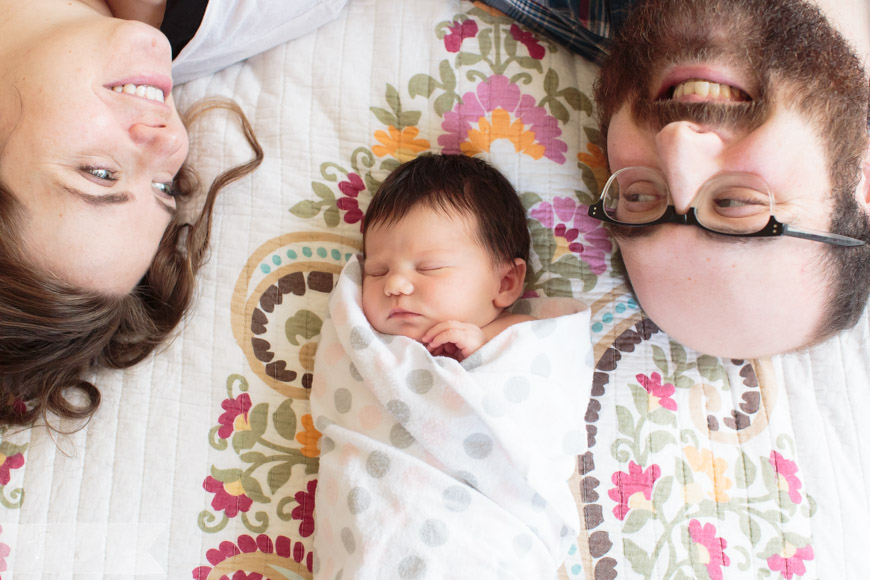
column 709, row 90
column 146, row 91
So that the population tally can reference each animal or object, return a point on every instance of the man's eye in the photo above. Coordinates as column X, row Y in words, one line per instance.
column 100, row 173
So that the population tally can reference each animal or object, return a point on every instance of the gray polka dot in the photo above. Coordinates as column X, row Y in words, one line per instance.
column 456, row 498
column 541, row 365
column 412, row 568
column 472, row 362
column 567, row 531
column 468, row 478
column 538, row 502
column 400, row 438
column 343, row 400
column 494, row 405
column 354, row 372
column 353, row 271
column 544, row 328
column 348, row 540
column 478, row 445
column 399, row 410
column 522, row 544
column 358, row 500
column 522, row 307
column 420, row 381
column 378, row 464
column 434, row 533
column 326, row 445
column 322, row 423
column 517, row 389
column 360, row 337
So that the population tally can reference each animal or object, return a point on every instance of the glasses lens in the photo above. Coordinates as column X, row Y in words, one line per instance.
column 735, row 203
column 635, row 195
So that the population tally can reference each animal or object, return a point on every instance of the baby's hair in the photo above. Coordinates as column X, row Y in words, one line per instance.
column 456, row 184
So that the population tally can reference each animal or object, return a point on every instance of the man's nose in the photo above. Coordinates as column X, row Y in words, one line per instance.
column 690, row 155
column 398, row 285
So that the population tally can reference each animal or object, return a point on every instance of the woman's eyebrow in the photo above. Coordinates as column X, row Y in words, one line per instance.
column 116, row 198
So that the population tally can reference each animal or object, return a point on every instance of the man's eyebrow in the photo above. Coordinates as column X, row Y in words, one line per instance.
column 107, row 199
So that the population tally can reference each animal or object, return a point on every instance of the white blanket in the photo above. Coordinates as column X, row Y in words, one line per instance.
column 452, row 470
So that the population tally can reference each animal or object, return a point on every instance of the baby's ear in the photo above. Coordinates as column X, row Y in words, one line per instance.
column 513, row 277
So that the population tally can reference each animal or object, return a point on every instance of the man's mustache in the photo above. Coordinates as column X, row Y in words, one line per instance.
column 736, row 116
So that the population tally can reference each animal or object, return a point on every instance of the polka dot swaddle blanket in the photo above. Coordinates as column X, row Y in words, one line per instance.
column 431, row 468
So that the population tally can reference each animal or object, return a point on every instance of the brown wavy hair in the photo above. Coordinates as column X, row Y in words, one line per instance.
column 52, row 334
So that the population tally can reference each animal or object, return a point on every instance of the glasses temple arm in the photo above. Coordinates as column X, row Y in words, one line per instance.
column 817, row 236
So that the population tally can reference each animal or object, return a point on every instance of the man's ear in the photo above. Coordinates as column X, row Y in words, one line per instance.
column 513, row 277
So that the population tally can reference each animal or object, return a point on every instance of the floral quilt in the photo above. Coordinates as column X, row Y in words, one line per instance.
column 202, row 461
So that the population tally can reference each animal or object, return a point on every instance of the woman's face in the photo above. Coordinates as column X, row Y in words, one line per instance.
column 91, row 166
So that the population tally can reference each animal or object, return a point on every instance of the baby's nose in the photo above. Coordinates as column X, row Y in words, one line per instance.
column 398, row 284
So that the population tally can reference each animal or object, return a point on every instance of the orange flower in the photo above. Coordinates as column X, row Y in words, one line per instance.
column 403, row 145
column 597, row 162
column 501, row 127
column 310, row 438
column 715, row 468
column 488, row 9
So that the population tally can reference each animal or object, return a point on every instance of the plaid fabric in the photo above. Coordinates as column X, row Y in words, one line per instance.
column 584, row 26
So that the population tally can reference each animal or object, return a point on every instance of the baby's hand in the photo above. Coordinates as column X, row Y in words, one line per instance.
column 454, row 339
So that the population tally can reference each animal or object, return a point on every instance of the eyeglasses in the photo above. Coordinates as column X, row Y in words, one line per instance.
column 731, row 204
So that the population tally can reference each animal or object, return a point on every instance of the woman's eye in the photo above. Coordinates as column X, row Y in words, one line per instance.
column 100, row 173
column 166, row 188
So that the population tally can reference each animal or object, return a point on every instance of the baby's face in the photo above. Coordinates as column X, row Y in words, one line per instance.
column 427, row 268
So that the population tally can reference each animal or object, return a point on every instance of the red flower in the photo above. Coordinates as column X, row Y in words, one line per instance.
column 229, row 497
column 786, row 469
column 235, row 416
column 5, row 550
column 7, row 464
column 536, row 51
column 708, row 548
column 637, row 480
column 790, row 561
column 349, row 203
column 283, row 547
column 653, row 385
column 305, row 510
column 459, row 32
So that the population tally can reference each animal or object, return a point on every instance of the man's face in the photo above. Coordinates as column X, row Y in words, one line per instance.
column 738, row 298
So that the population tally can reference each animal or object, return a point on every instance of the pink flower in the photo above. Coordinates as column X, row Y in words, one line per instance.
column 653, row 385
column 305, row 510
column 5, row 550
column 709, row 548
column 350, row 203
column 636, row 481
column 528, row 39
column 459, row 31
column 568, row 219
column 228, row 497
column 498, row 92
column 790, row 562
column 7, row 464
column 786, row 469
column 235, row 415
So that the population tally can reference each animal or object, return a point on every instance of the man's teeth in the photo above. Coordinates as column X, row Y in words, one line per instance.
column 709, row 90
column 146, row 91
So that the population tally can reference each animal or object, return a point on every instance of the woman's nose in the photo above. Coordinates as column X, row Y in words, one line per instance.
column 163, row 140
column 690, row 155
column 398, row 285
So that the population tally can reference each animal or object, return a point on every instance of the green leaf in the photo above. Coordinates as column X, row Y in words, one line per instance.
column 710, row 368
column 641, row 399
column 444, row 103
column 467, row 59
column 662, row 416
column 510, row 45
column 284, row 419
column 448, row 77
column 8, row 449
column 551, row 82
column 568, row 266
column 577, row 100
column 305, row 324
column 332, row 217
column 422, row 85
column 279, row 475
column 658, row 440
column 625, row 421
column 244, row 440
column 484, row 41
column 589, row 180
column 253, row 457
column 744, row 471
column 384, row 116
column 559, row 111
column 678, row 357
column 660, row 359
column 529, row 62
column 393, row 100
column 542, row 241
column 640, row 561
column 530, row 200
column 555, row 287
column 636, row 519
column 305, row 209
column 409, row 118
column 593, row 135
column 682, row 471
column 253, row 489
column 258, row 418
column 661, row 493
column 226, row 475
column 323, row 191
